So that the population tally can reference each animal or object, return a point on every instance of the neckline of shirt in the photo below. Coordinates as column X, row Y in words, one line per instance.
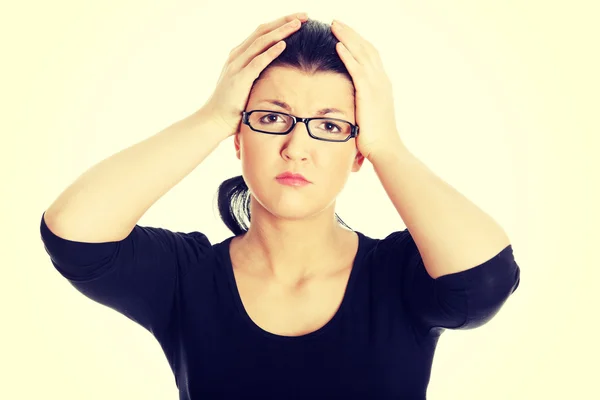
column 227, row 263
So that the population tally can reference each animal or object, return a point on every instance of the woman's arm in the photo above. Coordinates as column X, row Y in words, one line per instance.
column 451, row 233
column 107, row 200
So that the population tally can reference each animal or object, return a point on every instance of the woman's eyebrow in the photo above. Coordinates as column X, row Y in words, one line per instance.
column 285, row 105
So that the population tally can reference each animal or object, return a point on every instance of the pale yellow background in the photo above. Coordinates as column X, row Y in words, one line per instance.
column 500, row 99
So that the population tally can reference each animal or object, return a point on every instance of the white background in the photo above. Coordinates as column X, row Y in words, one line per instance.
column 500, row 99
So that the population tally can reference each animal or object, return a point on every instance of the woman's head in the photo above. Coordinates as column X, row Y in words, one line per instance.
column 306, row 78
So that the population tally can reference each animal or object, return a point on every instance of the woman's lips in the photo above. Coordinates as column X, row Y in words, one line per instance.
column 292, row 181
column 290, row 178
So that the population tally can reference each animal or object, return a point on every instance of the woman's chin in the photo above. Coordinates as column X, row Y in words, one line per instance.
column 296, row 210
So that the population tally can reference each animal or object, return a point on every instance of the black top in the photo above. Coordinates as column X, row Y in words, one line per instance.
column 379, row 344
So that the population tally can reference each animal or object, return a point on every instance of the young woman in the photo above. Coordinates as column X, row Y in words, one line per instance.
column 293, row 305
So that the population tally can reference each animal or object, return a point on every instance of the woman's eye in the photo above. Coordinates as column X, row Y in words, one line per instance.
column 269, row 117
column 327, row 124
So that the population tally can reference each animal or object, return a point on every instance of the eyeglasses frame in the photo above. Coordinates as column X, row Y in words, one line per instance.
column 295, row 119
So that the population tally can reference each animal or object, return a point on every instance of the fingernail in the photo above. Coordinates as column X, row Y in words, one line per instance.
column 302, row 15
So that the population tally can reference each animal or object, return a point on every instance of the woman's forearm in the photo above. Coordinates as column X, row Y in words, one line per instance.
column 451, row 232
column 107, row 200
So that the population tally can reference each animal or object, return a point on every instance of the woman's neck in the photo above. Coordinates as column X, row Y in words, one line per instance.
column 291, row 254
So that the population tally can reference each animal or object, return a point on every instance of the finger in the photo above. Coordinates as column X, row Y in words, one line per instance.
column 352, row 65
column 260, row 62
column 264, row 42
column 360, row 48
column 265, row 28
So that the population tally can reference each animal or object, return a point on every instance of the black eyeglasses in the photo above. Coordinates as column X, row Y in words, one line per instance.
column 278, row 123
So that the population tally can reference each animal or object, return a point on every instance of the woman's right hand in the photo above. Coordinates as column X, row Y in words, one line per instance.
column 246, row 61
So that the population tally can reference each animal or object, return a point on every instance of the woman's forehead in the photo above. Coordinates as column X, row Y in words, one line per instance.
column 301, row 92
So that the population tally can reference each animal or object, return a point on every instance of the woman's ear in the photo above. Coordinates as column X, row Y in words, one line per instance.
column 358, row 161
column 236, row 143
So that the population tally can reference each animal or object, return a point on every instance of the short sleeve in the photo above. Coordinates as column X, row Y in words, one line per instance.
column 136, row 276
column 463, row 300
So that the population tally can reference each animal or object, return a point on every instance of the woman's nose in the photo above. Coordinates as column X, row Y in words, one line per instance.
column 298, row 141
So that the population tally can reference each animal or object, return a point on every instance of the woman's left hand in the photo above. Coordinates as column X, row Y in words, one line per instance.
column 374, row 103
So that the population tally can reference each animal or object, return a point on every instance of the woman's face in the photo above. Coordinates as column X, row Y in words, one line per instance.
column 327, row 165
